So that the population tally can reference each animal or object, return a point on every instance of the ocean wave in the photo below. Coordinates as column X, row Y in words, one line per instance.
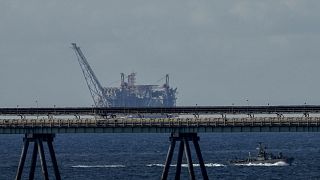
column 211, row 165
column 99, row 166
column 157, row 165
column 281, row 163
column 186, row 165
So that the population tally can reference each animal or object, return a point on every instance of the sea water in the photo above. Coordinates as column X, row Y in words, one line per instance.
column 142, row 156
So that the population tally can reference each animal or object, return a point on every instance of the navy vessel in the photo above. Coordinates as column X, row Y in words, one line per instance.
column 263, row 158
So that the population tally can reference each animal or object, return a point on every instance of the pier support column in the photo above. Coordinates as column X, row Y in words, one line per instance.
column 38, row 140
column 184, row 139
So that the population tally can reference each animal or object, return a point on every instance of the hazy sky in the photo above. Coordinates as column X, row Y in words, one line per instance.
column 217, row 52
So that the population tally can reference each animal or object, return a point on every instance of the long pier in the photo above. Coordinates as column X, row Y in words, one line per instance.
column 163, row 110
column 160, row 125
column 183, row 123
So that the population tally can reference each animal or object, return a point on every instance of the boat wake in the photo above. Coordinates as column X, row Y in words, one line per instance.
column 182, row 165
column 281, row 163
column 186, row 165
column 99, row 166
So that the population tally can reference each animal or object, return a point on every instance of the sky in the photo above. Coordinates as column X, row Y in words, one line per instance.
column 216, row 52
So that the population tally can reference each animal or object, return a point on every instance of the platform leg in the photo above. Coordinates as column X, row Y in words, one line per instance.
column 42, row 159
column 22, row 159
column 33, row 161
column 168, row 160
column 184, row 139
column 54, row 160
column 201, row 162
column 179, row 161
column 189, row 159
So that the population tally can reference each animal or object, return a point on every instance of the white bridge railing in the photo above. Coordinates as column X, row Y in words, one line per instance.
column 161, row 122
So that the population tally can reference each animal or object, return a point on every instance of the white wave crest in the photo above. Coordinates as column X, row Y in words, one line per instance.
column 214, row 165
column 157, row 165
column 99, row 166
column 186, row 165
column 280, row 163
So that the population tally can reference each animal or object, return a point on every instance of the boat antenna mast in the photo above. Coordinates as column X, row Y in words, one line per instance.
column 96, row 90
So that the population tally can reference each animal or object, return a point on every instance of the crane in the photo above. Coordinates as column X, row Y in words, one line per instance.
column 97, row 91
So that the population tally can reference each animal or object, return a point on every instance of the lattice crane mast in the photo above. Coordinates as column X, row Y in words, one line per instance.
column 97, row 91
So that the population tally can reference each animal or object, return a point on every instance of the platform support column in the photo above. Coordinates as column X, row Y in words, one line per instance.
column 22, row 159
column 189, row 159
column 54, row 161
column 168, row 160
column 179, row 161
column 43, row 160
column 184, row 139
column 38, row 140
column 201, row 162
column 33, row 161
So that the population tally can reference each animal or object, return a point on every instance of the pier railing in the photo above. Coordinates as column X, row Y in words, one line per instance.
column 161, row 122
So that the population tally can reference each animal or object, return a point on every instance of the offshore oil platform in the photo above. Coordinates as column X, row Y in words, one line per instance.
column 128, row 94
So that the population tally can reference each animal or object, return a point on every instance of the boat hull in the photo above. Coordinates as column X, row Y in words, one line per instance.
column 258, row 162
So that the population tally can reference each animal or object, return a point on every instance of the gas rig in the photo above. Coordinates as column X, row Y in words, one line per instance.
column 128, row 94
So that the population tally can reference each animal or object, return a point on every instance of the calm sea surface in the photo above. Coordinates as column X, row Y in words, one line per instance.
column 141, row 156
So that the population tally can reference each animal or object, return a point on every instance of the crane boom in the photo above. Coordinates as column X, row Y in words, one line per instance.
column 96, row 90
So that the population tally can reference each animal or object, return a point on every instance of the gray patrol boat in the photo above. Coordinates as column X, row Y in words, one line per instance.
column 263, row 158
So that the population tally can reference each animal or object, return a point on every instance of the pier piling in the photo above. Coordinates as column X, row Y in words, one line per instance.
column 38, row 140
column 184, row 139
